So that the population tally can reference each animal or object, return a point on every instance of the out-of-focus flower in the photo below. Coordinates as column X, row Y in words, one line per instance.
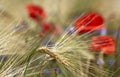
column 49, row 28
column 45, row 29
column 111, row 62
column 106, row 44
column 36, row 12
column 89, row 22
column 103, row 31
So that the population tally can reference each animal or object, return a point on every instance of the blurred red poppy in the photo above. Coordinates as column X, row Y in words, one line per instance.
column 89, row 22
column 106, row 44
column 36, row 12
column 47, row 28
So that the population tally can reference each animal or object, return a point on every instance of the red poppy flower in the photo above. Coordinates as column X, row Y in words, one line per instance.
column 89, row 22
column 47, row 28
column 106, row 44
column 36, row 12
